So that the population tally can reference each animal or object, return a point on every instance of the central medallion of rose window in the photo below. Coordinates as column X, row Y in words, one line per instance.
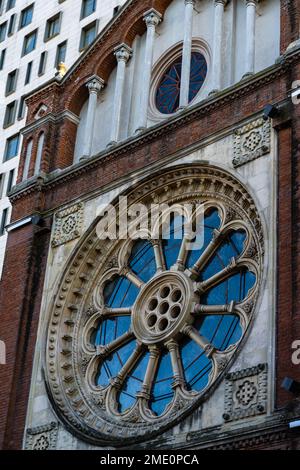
column 163, row 308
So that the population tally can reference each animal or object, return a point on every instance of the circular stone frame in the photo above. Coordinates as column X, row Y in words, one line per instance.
column 163, row 63
column 71, row 360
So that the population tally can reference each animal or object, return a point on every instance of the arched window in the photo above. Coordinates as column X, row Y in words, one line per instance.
column 27, row 159
column 168, row 90
column 39, row 153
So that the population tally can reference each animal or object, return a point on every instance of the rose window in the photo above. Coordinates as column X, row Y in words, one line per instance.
column 164, row 320
column 142, row 330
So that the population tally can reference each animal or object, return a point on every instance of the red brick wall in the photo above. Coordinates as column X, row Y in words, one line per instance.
column 20, row 297
column 290, row 18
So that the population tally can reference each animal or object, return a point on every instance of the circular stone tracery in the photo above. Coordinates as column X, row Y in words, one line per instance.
column 81, row 345
column 163, row 307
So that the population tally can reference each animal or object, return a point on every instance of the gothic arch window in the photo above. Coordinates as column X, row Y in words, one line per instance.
column 39, row 153
column 27, row 159
column 142, row 330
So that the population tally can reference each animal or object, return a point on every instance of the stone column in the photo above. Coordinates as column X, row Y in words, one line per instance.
column 250, row 36
column 94, row 86
column 186, row 53
column 219, row 6
column 152, row 18
column 123, row 54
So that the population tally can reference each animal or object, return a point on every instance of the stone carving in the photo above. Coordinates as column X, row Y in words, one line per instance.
column 68, row 225
column 42, row 437
column 246, row 393
column 252, row 141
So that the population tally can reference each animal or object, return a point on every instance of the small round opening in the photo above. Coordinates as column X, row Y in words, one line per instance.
column 163, row 324
column 164, row 308
column 151, row 321
column 152, row 304
column 164, row 292
column 175, row 311
column 176, row 295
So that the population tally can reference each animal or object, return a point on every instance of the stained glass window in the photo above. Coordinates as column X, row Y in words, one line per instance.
column 216, row 324
column 168, row 92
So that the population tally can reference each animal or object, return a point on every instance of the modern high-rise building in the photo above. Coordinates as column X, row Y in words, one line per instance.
column 35, row 36
column 150, row 295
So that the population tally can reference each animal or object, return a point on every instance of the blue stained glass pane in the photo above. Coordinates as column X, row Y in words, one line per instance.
column 113, row 364
column 212, row 221
column 133, row 384
column 168, row 91
column 198, row 74
column 172, row 240
column 231, row 247
column 142, row 260
column 235, row 288
column 120, row 293
column 220, row 330
column 162, row 393
column 196, row 365
column 111, row 329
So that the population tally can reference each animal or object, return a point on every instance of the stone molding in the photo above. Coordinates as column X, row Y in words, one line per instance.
column 251, row 142
column 246, row 393
column 68, row 225
column 42, row 437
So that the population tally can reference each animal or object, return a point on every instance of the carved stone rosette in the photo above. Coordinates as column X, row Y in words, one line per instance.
column 246, row 393
column 72, row 360
column 251, row 142
column 42, row 437
column 68, row 225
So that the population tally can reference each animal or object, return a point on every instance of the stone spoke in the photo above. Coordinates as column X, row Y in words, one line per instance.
column 178, row 373
column 182, row 256
column 214, row 309
column 106, row 350
column 194, row 335
column 159, row 257
column 126, row 271
column 217, row 278
column 207, row 254
column 150, row 373
column 117, row 312
column 128, row 366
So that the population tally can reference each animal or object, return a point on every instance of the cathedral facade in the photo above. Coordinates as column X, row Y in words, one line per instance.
column 116, row 335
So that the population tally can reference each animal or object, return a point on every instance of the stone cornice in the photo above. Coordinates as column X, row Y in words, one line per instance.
column 269, row 432
column 188, row 115
column 50, row 117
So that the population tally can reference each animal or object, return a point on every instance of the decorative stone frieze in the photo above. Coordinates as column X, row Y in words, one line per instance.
column 68, row 225
column 246, row 393
column 42, row 437
column 251, row 142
